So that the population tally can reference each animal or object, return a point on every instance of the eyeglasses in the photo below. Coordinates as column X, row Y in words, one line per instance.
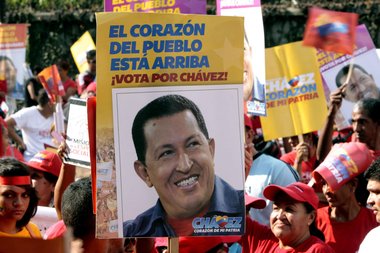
column 92, row 61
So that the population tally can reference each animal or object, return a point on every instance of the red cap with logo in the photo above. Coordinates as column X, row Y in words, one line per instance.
column 344, row 162
column 46, row 161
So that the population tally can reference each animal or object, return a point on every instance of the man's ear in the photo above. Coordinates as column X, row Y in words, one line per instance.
column 140, row 169
column 211, row 146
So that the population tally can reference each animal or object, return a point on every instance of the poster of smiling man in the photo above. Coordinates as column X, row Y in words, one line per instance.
column 170, row 136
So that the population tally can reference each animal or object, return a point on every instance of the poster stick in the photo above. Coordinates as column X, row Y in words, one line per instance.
column 350, row 70
column 173, row 245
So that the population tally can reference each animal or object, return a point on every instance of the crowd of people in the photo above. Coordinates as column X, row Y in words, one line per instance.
column 320, row 196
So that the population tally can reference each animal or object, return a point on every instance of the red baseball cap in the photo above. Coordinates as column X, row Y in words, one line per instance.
column 46, row 161
column 253, row 202
column 344, row 162
column 297, row 191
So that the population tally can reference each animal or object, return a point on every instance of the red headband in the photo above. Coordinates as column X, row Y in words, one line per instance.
column 15, row 180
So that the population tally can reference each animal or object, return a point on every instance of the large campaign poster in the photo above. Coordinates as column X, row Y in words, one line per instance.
column 12, row 58
column 254, row 51
column 295, row 96
column 191, row 58
column 165, row 6
column 365, row 78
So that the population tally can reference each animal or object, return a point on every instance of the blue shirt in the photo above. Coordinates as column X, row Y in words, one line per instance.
column 225, row 201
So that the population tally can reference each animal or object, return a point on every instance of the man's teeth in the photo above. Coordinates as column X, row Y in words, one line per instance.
column 187, row 182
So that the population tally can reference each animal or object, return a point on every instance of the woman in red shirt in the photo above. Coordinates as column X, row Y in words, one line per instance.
column 292, row 223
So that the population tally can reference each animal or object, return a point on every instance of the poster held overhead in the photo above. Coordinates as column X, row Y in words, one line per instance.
column 151, row 57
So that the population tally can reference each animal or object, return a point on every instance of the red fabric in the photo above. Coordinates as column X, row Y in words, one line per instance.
column 307, row 166
column 15, row 180
column 91, row 119
column 345, row 236
column 331, row 30
column 259, row 238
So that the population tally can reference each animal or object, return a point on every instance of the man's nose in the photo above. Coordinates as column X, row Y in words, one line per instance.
column 184, row 163
column 370, row 200
column 280, row 214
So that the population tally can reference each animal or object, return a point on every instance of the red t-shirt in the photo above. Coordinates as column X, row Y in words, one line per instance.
column 345, row 236
column 259, row 238
column 307, row 166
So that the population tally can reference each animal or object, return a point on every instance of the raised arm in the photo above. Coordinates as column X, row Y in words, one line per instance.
column 325, row 137
column 66, row 177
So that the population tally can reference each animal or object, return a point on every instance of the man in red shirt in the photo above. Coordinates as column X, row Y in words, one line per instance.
column 344, row 222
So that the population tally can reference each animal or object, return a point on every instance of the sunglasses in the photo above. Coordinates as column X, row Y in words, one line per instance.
column 91, row 61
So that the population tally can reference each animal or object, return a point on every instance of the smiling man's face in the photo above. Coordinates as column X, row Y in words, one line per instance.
column 179, row 164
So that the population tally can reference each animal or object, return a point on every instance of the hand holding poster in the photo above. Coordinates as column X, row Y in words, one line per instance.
column 365, row 77
column 188, row 58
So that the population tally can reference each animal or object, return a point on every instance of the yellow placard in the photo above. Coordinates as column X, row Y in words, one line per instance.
column 295, row 97
column 79, row 50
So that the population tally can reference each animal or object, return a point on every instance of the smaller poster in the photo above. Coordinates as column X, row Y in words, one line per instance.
column 165, row 6
column 77, row 138
column 365, row 78
column 254, row 52
column 79, row 50
column 331, row 30
column 51, row 81
column 13, row 39
column 295, row 98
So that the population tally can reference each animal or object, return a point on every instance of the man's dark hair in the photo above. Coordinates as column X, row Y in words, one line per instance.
column 42, row 97
column 91, row 54
column 371, row 107
column 373, row 171
column 344, row 72
column 161, row 107
column 77, row 208
column 10, row 167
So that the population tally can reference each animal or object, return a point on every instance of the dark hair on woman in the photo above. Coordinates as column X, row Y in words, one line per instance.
column 313, row 226
column 11, row 167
